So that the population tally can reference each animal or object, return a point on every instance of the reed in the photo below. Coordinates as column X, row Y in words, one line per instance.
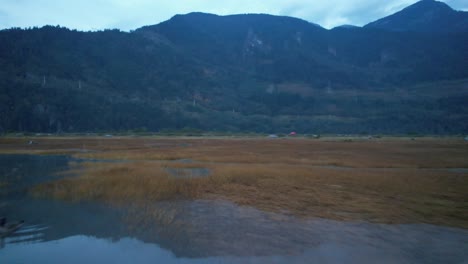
column 118, row 183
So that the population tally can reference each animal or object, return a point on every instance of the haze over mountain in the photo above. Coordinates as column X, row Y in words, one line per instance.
column 252, row 72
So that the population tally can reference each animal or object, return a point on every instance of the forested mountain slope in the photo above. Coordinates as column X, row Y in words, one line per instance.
column 250, row 72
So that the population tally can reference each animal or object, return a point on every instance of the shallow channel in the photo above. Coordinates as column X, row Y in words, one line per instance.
column 201, row 231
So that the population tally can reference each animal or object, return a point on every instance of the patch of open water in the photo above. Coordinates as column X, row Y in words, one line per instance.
column 201, row 231
column 188, row 172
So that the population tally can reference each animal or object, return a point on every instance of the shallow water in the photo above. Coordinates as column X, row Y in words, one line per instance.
column 199, row 231
column 24, row 171
column 187, row 173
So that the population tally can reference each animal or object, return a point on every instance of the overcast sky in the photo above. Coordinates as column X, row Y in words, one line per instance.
column 132, row 14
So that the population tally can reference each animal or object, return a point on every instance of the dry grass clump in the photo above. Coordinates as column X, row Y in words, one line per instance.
column 118, row 183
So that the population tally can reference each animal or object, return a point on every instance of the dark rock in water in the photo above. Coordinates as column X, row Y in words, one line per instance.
column 9, row 228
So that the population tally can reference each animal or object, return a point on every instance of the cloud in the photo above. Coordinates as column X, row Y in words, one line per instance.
column 127, row 15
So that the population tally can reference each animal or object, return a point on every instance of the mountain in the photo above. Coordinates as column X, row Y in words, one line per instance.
column 238, row 73
column 282, row 49
column 424, row 16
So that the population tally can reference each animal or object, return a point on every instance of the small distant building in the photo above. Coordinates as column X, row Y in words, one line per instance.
column 272, row 136
column 293, row 133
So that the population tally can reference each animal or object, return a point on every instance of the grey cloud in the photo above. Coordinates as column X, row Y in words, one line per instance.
column 127, row 15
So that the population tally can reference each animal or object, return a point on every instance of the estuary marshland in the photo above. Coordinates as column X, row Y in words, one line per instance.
column 381, row 180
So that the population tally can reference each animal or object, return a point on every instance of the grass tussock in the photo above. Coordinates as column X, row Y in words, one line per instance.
column 118, row 183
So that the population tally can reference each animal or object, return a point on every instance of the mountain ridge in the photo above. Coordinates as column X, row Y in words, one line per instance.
column 259, row 73
column 424, row 16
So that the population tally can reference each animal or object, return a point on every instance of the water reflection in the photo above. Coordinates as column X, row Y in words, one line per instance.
column 27, row 234
column 20, row 172
column 200, row 231
column 187, row 173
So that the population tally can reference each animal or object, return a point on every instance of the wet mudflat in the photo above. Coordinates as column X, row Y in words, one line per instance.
column 198, row 231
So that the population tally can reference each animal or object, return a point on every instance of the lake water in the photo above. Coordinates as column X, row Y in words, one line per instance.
column 198, row 231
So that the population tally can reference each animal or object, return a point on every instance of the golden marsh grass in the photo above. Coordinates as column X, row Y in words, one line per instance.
column 383, row 180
